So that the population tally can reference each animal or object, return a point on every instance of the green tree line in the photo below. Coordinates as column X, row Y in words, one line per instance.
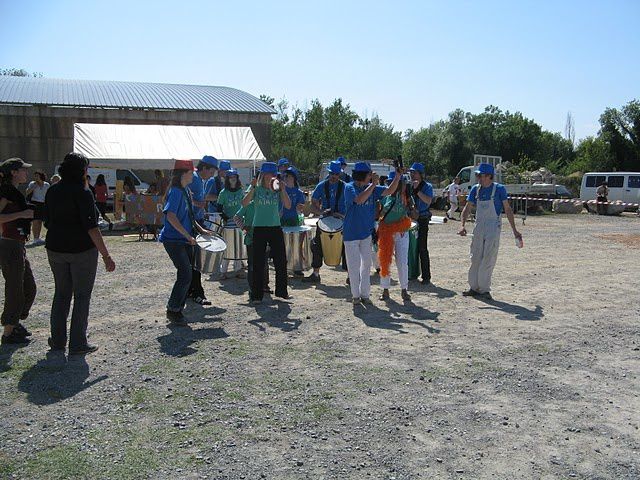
column 311, row 136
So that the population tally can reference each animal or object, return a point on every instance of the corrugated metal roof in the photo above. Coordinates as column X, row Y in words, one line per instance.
column 89, row 93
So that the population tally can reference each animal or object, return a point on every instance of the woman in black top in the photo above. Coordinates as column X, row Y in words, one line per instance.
column 73, row 242
column 15, row 224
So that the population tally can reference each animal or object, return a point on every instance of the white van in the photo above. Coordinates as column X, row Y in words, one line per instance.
column 623, row 186
column 111, row 175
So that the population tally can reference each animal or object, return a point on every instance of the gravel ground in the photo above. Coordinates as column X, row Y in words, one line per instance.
column 542, row 382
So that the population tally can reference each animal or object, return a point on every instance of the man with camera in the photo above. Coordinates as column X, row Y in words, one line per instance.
column 422, row 194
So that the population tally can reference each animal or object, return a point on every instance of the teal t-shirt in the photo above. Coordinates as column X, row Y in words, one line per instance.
column 246, row 213
column 230, row 201
column 267, row 207
column 397, row 212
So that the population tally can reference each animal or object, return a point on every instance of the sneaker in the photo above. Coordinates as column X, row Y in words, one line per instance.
column 14, row 338
column 405, row 295
column 285, row 297
column 241, row 274
column 88, row 348
column 425, row 282
column 357, row 301
column 384, row 295
column 22, row 330
column 52, row 346
column 366, row 301
column 469, row 293
column 485, row 296
column 313, row 278
column 177, row 318
column 201, row 301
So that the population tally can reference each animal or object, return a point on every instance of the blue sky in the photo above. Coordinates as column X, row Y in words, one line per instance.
column 411, row 62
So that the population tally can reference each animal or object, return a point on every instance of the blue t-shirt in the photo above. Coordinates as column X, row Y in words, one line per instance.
column 211, row 188
column 297, row 198
column 423, row 208
column 359, row 219
column 485, row 194
column 197, row 192
column 319, row 194
column 178, row 203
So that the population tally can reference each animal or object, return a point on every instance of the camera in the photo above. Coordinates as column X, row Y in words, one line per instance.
column 397, row 163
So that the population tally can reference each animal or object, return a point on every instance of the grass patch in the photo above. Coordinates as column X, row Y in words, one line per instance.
column 58, row 463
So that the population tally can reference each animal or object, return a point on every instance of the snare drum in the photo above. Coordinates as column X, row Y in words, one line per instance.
column 234, row 238
column 209, row 252
column 213, row 222
column 414, row 258
column 331, row 240
column 297, row 242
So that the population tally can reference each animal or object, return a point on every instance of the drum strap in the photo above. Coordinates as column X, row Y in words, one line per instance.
column 192, row 216
column 393, row 203
column 338, row 194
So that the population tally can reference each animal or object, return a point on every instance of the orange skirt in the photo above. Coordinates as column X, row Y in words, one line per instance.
column 386, row 243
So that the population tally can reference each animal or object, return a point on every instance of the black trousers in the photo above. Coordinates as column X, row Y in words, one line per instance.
column 318, row 257
column 196, row 290
column 274, row 239
column 423, row 250
column 19, row 284
column 102, row 208
column 250, row 268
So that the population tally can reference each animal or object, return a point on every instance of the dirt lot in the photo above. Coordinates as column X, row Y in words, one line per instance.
column 543, row 382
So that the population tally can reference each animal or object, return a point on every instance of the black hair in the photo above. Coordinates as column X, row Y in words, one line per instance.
column 128, row 182
column 100, row 180
column 227, row 184
column 73, row 167
column 359, row 176
column 40, row 174
column 204, row 166
column 295, row 179
column 383, row 179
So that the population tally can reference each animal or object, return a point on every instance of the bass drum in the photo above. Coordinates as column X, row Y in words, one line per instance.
column 331, row 240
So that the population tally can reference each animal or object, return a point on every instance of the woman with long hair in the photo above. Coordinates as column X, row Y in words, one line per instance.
column 291, row 217
column 37, row 190
column 393, row 237
column 229, row 202
column 73, row 244
column 178, row 236
column 266, row 194
column 102, row 194
column 15, row 218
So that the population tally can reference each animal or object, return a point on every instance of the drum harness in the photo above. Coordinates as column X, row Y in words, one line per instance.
column 327, row 194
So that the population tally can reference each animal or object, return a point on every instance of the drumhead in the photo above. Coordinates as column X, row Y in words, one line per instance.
column 330, row 224
column 302, row 228
column 312, row 222
column 212, row 243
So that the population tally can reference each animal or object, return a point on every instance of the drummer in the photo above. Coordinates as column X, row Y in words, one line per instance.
column 344, row 176
column 266, row 194
column 293, row 217
column 204, row 171
column 360, row 199
column 230, row 201
column 215, row 184
column 177, row 236
column 393, row 237
column 327, row 199
column 422, row 192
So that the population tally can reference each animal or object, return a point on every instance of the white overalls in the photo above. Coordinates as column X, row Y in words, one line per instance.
column 485, row 243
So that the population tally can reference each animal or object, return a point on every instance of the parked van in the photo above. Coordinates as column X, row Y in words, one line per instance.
column 623, row 186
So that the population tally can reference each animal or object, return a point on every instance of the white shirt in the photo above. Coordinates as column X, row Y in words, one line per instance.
column 38, row 192
column 454, row 191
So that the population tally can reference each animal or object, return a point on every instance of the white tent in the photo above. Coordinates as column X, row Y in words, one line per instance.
column 147, row 147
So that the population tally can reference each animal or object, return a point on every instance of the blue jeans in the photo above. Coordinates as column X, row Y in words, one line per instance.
column 181, row 254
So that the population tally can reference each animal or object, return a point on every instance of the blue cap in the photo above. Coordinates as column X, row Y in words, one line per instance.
column 292, row 171
column 362, row 167
column 334, row 167
column 225, row 165
column 485, row 168
column 417, row 167
column 341, row 160
column 269, row 167
column 392, row 175
column 232, row 171
column 283, row 161
column 210, row 160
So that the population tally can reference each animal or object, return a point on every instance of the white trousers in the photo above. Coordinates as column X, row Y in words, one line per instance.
column 358, row 254
column 484, row 254
column 452, row 208
column 237, row 266
column 401, row 251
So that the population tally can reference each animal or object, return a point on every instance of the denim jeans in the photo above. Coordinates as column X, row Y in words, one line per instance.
column 19, row 285
column 181, row 254
column 74, row 275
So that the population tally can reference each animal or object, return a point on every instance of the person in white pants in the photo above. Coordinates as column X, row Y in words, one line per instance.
column 393, row 238
column 360, row 198
column 453, row 191
column 490, row 199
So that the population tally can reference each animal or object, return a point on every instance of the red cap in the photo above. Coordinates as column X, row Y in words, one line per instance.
column 183, row 165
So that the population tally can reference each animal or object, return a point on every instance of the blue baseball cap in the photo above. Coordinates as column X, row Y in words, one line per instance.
column 334, row 167
column 210, row 160
column 283, row 161
column 341, row 160
column 362, row 167
column 232, row 171
column 417, row 167
column 269, row 167
column 485, row 169
column 225, row 165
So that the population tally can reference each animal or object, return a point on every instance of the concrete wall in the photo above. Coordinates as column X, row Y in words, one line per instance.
column 43, row 135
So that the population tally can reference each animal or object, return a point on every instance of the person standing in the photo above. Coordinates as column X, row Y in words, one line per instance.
column 453, row 192
column 360, row 199
column 230, row 201
column 73, row 243
column 283, row 164
column 422, row 194
column 266, row 194
column 292, row 217
column 36, row 191
column 490, row 200
column 344, row 176
column 15, row 223
column 393, row 237
column 327, row 199
column 602, row 198
column 162, row 183
column 215, row 184
column 204, row 171
column 102, row 194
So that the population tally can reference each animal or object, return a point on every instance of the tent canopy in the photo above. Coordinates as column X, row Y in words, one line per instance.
column 157, row 146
